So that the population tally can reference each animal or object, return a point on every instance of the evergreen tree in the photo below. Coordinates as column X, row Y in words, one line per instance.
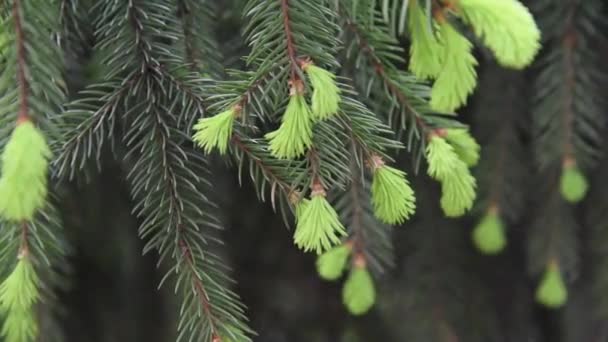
column 439, row 161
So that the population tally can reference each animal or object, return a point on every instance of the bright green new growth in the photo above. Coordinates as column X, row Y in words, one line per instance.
column 215, row 131
column 489, row 234
column 20, row 327
column 441, row 158
column 299, row 207
column 18, row 294
column 458, row 191
column 326, row 94
column 392, row 197
column 19, row 291
column 23, row 184
column 294, row 136
column 464, row 145
column 457, row 183
column 573, row 184
column 552, row 291
column 506, row 27
column 425, row 50
column 318, row 226
column 331, row 264
column 358, row 293
column 458, row 77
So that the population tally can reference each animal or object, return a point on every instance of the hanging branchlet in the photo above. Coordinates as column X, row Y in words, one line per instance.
column 392, row 197
column 359, row 292
column 573, row 183
column 31, row 91
column 216, row 131
column 552, row 291
column 489, row 234
column 331, row 264
column 403, row 98
column 368, row 235
column 325, row 98
column 570, row 70
column 294, row 136
column 18, row 295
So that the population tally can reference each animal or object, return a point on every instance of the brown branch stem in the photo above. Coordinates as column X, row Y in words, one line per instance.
column 291, row 47
column 21, row 64
column 388, row 82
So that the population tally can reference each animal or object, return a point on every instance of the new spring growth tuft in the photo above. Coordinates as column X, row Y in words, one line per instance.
column 392, row 197
column 216, row 131
column 489, row 234
column 506, row 27
column 425, row 50
column 457, row 183
column 458, row 191
column 573, row 184
column 359, row 293
column 458, row 77
column 18, row 294
column 318, row 226
column 326, row 94
column 552, row 291
column 294, row 136
column 331, row 264
column 464, row 145
column 440, row 156
column 23, row 184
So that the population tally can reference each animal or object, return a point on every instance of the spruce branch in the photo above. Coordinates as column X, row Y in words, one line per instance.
column 32, row 92
column 571, row 128
column 150, row 95
column 180, row 229
column 88, row 123
column 404, row 98
column 389, row 83
column 367, row 235
column 503, row 170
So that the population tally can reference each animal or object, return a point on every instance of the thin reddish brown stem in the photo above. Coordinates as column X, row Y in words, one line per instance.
column 236, row 141
column 291, row 47
column 569, row 44
column 246, row 96
column 24, row 248
column 21, row 64
column 356, row 222
column 201, row 293
column 380, row 70
column 313, row 159
column 175, row 208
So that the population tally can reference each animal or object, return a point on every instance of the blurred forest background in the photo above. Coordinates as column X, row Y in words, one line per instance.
column 440, row 288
